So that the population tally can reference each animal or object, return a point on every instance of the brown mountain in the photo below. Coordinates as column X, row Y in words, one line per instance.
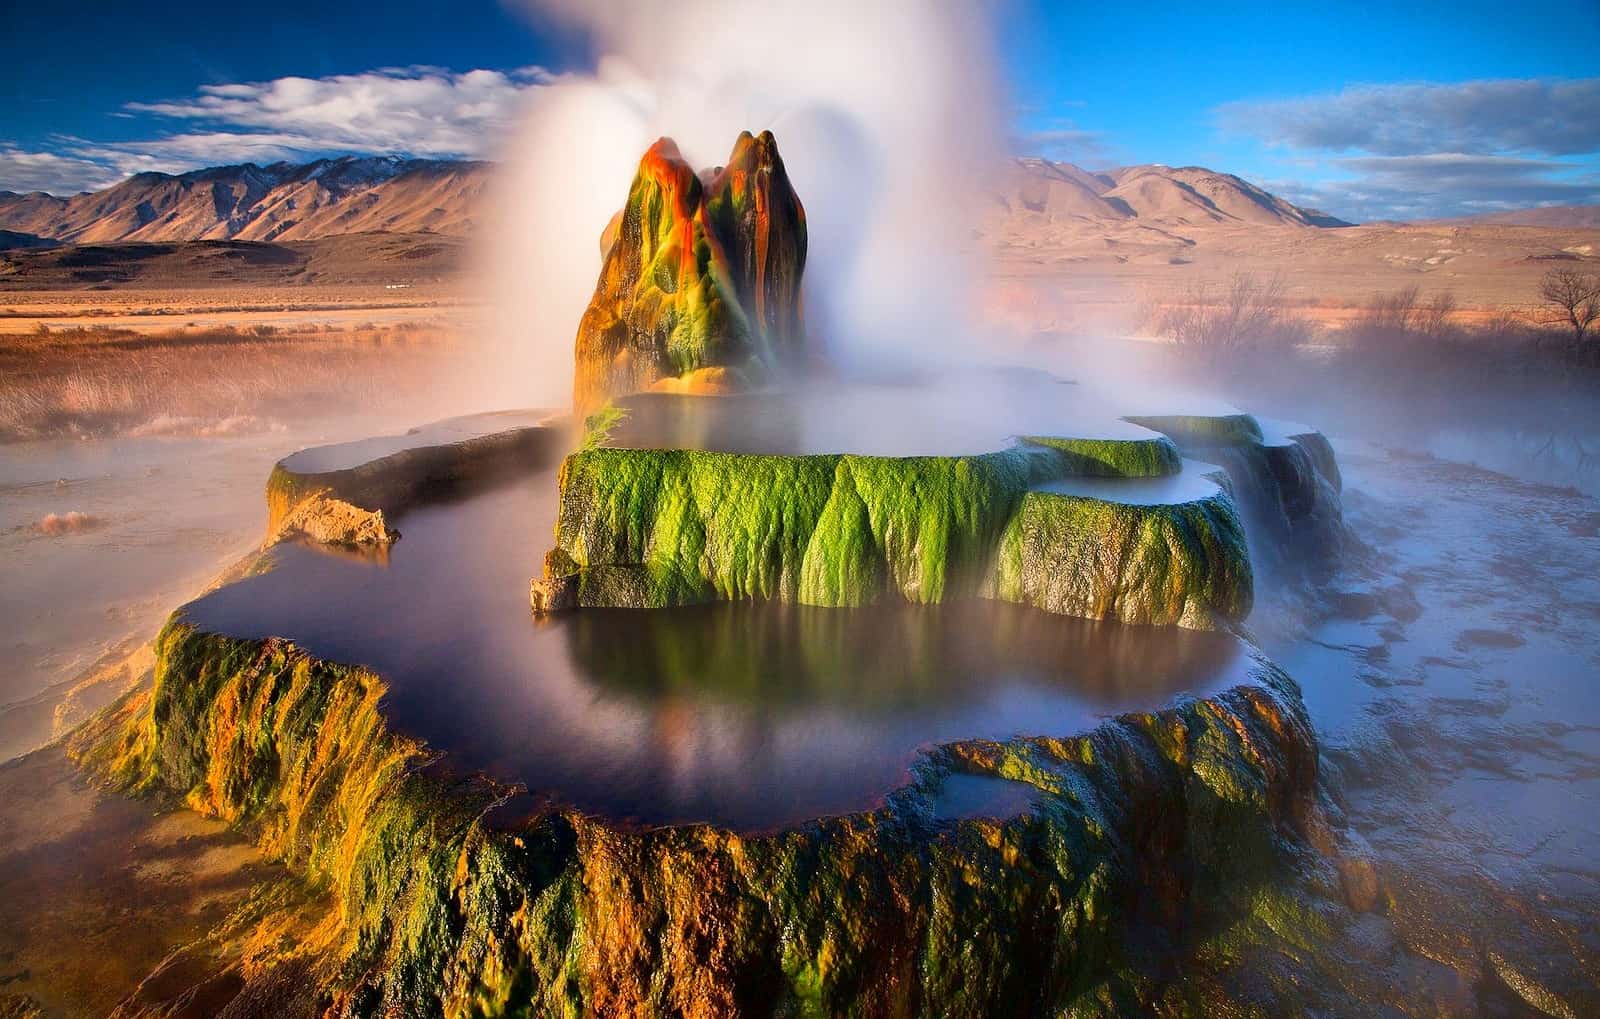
column 284, row 201
column 1153, row 195
column 304, row 201
column 1586, row 217
column 363, row 259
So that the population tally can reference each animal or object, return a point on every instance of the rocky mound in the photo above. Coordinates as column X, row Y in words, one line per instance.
column 445, row 899
column 1286, row 479
column 700, row 287
column 444, row 893
column 649, row 528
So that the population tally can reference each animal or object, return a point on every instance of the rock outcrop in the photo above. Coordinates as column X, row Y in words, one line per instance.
column 443, row 900
column 439, row 892
column 700, row 287
column 393, row 473
column 646, row 528
column 332, row 521
column 1285, row 477
column 1183, row 563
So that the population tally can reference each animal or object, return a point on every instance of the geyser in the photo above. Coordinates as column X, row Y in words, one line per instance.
column 891, row 777
column 890, row 117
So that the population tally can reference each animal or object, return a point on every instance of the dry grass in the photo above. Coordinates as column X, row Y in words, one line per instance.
column 1247, row 315
column 1406, row 367
column 90, row 381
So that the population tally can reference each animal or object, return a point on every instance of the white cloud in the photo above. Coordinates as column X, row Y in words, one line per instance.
column 1442, row 185
column 1553, row 118
column 422, row 111
column 1415, row 151
column 1064, row 142
column 419, row 111
column 24, row 171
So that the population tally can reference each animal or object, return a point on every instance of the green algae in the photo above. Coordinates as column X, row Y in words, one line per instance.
column 1167, row 820
column 654, row 528
column 1183, row 563
column 444, row 907
column 599, row 426
column 700, row 274
column 1287, row 487
column 1115, row 458
column 672, row 527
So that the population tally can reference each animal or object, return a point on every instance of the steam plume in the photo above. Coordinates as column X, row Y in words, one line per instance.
column 887, row 116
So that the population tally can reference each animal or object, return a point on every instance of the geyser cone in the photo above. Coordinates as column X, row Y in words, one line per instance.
column 700, row 286
column 751, row 207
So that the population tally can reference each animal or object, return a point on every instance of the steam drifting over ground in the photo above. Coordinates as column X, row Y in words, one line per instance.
column 886, row 115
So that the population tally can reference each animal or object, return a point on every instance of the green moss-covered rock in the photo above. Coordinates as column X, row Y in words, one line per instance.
column 450, row 899
column 645, row 528
column 1183, row 563
column 1154, row 457
column 1287, row 483
column 701, row 275
column 447, row 903
column 652, row 528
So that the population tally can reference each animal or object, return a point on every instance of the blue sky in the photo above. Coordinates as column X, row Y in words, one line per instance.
column 1401, row 111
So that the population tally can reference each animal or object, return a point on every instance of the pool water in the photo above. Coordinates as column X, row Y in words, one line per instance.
column 749, row 715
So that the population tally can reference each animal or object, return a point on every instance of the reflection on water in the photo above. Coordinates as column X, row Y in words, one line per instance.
column 167, row 514
column 1565, row 458
column 979, row 413
column 346, row 455
column 749, row 715
column 1192, row 483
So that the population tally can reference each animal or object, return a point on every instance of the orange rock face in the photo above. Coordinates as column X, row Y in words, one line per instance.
column 701, row 271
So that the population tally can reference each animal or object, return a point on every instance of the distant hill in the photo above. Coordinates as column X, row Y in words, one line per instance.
column 379, row 258
column 304, row 201
column 280, row 202
column 1559, row 216
column 1153, row 195
column 13, row 239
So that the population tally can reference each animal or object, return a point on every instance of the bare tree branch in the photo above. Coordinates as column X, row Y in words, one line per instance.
column 1575, row 298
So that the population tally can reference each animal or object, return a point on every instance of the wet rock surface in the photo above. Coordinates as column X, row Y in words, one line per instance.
column 700, row 287
column 99, row 891
column 390, row 474
column 1449, row 670
column 1149, row 825
column 1430, row 857
column 1071, row 852
column 644, row 528
column 335, row 522
column 1285, row 479
column 749, row 714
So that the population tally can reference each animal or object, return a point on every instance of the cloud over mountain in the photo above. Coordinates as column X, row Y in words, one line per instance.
column 427, row 112
column 23, row 171
column 1554, row 118
column 1413, row 151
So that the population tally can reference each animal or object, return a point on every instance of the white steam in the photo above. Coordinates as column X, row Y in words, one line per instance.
column 888, row 117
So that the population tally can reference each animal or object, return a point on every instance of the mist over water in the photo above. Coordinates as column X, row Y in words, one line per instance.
column 887, row 117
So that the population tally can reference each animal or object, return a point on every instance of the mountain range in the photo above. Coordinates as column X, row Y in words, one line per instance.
column 1032, row 203
column 1152, row 194
column 292, row 202
column 279, row 202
